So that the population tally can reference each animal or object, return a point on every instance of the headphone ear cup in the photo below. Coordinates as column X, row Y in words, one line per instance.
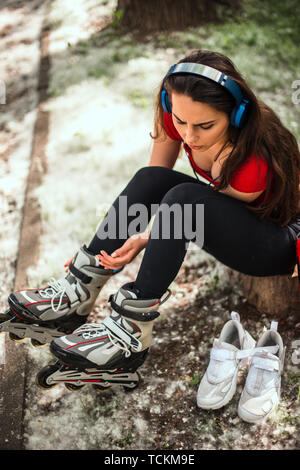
column 165, row 102
column 239, row 114
column 233, row 116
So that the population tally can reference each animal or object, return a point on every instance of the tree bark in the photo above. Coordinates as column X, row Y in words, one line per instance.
column 145, row 16
column 277, row 296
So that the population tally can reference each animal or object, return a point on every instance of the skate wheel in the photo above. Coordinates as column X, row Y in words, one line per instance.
column 101, row 388
column 15, row 338
column 37, row 344
column 133, row 385
column 73, row 387
column 42, row 376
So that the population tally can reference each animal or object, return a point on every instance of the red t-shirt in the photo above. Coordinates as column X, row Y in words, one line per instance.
column 251, row 177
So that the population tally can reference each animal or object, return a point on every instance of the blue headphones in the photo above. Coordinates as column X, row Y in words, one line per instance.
column 239, row 113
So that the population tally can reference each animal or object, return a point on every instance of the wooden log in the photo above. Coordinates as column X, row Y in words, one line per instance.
column 277, row 296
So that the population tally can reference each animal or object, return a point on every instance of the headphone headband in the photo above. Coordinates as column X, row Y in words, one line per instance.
column 211, row 73
column 240, row 110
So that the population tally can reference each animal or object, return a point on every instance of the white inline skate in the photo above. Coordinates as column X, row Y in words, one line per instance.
column 109, row 353
column 59, row 308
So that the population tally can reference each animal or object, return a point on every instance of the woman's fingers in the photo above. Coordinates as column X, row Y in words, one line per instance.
column 110, row 262
column 119, row 257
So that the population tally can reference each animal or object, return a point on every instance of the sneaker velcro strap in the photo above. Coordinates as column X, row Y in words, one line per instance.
column 266, row 364
column 222, row 354
column 119, row 332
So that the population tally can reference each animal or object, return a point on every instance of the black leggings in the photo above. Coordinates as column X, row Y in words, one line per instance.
column 232, row 233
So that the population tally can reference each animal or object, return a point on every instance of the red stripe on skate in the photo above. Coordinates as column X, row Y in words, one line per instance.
column 76, row 380
column 30, row 290
column 135, row 327
column 85, row 342
column 27, row 290
column 92, row 372
column 16, row 313
column 156, row 303
column 90, row 380
column 44, row 301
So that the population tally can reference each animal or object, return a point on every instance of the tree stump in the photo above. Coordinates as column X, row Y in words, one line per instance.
column 277, row 296
column 144, row 16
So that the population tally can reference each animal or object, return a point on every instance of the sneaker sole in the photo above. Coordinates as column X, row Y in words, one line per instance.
column 252, row 419
column 225, row 400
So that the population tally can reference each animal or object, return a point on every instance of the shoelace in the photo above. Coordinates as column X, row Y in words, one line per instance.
column 97, row 331
column 56, row 288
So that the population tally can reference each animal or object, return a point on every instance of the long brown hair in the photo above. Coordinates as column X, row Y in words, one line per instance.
column 263, row 135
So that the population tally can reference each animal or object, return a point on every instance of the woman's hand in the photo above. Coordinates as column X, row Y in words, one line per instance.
column 126, row 253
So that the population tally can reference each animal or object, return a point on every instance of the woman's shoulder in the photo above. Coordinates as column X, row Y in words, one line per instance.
column 252, row 175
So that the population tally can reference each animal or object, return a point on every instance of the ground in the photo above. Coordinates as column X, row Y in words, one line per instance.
column 102, row 89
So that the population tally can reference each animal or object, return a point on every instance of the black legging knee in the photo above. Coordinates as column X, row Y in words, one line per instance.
column 148, row 187
column 232, row 233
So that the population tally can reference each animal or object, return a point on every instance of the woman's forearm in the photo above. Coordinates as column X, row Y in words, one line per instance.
column 145, row 237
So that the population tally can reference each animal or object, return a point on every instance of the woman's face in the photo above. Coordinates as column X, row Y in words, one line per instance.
column 200, row 125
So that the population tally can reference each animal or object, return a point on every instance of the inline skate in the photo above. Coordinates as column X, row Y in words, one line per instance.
column 109, row 353
column 59, row 308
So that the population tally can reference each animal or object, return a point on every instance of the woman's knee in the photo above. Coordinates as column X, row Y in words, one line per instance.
column 151, row 173
column 153, row 180
column 188, row 193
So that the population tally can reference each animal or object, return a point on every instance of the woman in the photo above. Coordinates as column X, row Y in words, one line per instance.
column 250, row 162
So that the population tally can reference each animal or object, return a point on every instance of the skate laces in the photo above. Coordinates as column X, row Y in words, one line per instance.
column 56, row 289
column 94, row 330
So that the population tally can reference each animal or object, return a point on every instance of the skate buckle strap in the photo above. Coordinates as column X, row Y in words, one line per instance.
column 118, row 331
column 79, row 274
column 138, row 316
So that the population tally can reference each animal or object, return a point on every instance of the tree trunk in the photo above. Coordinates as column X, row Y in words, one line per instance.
column 277, row 296
column 145, row 16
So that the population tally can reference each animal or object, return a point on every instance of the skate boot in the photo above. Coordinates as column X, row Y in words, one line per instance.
column 108, row 353
column 59, row 308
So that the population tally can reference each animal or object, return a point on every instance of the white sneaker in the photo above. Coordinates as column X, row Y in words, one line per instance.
column 261, row 394
column 229, row 352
